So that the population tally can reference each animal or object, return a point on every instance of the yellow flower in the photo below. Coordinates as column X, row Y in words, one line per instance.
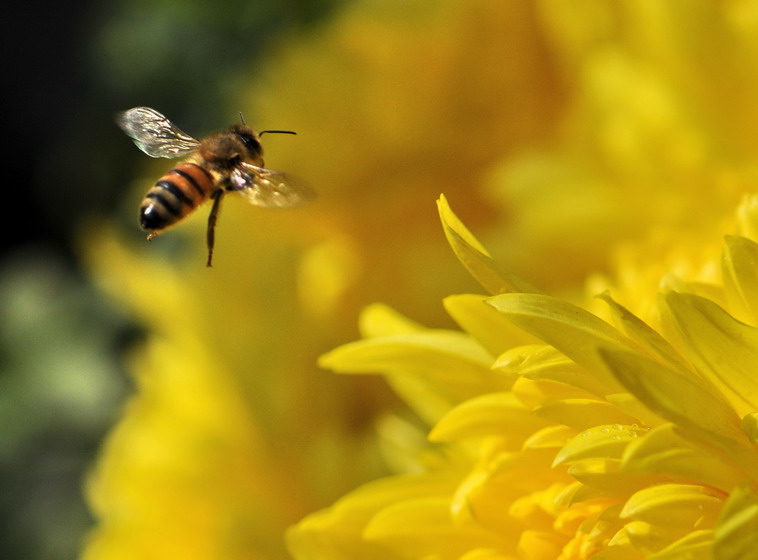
column 557, row 434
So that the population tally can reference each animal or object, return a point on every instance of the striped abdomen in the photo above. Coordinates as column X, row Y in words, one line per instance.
column 175, row 195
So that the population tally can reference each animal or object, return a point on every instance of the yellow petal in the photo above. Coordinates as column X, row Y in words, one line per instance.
column 381, row 320
column 737, row 530
column 491, row 275
column 665, row 450
column 539, row 545
column 473, row 500
column 649, row 538
column 683, row 399
column 620, row 543
column 490, row 414
column 402, row 443
column 719, row 345
column 486, row 325
column 697, row 545
column 677, row 506
column 626, row 402
column 491, row 487
column 747, row 216
column 423, row 526
column 741, row 274
column 337, row 532
column 550, row 437
column 446, row 354
column 602, row 478
column 431, row 370
column 570, row 329
column 534, row 394
column 750, row 426
column 545, row 363
column 529, row 510
column 604, row 441
column 583, row 414
column 640, row 332
column 603, row 529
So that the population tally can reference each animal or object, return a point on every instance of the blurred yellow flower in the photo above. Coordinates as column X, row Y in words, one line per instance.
column 574, row 438
column 378, row 136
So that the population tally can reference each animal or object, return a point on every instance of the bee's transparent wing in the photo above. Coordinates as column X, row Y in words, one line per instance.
column 154, row 134
column 270, row 189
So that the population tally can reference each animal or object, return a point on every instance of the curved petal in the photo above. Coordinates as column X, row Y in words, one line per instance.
column 680, row 506
column 685, row 400
column 491, row 414
column 719, row 345
column 666, row 450
column 491, row 275
column 486, row 325
column 540, row 362
column 697, row 545
column 338, row 532
column 431, row 370
column 636, row 329
column 737, row 530
column 570, row 329
column 582, row 414
column 740, row 273
column 420, row 526
column 607, row 441
column 550, row 437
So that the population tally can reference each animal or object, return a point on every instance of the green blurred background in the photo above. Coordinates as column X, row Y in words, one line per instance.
column 71, row 66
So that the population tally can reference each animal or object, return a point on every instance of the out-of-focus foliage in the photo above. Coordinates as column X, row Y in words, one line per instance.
column 186, row 55
column 59, row 388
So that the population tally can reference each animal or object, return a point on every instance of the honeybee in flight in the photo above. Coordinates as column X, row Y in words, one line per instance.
column 229, row 161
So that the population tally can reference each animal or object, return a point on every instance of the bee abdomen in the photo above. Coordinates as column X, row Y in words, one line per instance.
column 175, row 195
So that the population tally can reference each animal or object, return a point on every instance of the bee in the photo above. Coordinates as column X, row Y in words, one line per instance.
column 228, row 161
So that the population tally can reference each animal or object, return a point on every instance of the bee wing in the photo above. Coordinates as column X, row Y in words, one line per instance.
column 154, row 134
column 270, row 189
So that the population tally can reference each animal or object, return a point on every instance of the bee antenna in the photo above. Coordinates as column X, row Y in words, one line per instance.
column 242, row 119
column 262, row 132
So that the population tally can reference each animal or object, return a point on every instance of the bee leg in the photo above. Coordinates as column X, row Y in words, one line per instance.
column 212, row 217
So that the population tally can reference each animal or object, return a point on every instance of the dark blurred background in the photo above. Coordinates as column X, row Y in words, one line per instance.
column 68, row 68
column 71, row 66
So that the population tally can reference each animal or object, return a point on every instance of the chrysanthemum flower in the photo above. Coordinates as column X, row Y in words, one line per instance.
column 558, row 434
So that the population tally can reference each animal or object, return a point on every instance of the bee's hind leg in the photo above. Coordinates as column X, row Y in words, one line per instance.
column 212, row 217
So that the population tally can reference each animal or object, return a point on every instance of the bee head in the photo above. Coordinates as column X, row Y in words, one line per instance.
column 249, row 139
